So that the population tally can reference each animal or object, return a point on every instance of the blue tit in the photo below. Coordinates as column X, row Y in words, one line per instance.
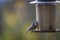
column 33, row 26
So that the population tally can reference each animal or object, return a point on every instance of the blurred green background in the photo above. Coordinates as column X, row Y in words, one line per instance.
column 17, row 16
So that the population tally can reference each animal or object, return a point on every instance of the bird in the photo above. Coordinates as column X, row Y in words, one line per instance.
column 33, row 26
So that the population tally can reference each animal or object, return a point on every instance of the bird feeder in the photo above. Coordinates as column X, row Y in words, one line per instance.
column 45, row 16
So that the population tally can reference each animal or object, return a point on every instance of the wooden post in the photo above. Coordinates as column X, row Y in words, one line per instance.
column 45, row 15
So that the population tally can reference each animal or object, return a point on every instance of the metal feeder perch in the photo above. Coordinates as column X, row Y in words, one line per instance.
column 45, row 16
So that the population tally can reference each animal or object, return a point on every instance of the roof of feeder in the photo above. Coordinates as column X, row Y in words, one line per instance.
column 45, row 2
